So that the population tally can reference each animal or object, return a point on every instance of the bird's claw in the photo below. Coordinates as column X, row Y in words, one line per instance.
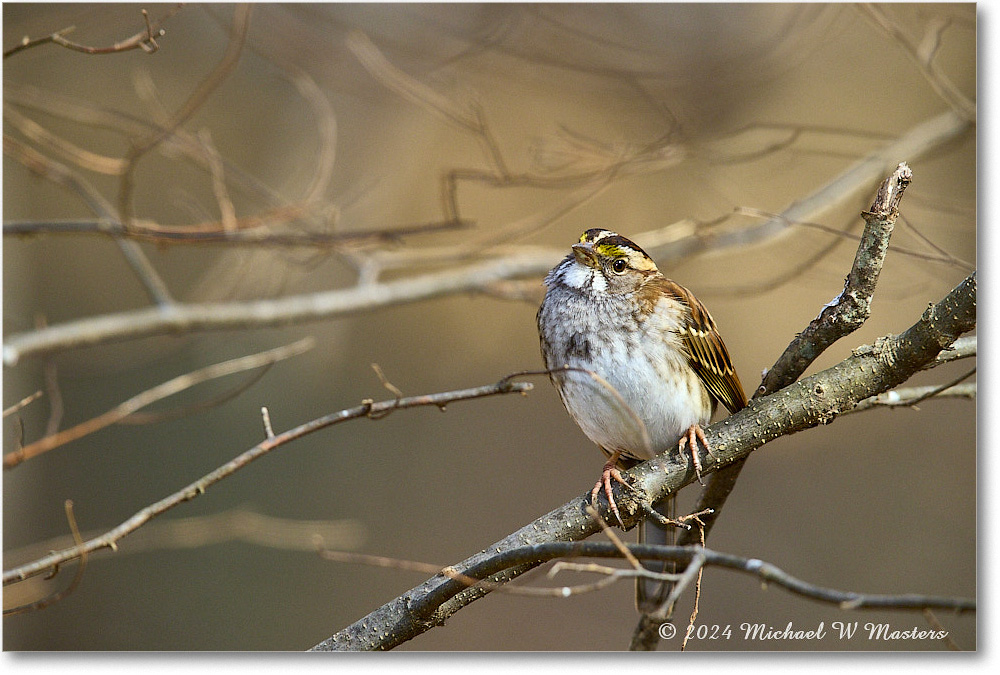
column 691, row 438
column 610, row 472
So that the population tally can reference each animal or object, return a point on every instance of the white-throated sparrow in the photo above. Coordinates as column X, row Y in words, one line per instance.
column 637, row 359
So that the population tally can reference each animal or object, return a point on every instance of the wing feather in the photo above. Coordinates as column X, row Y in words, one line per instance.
column 708, row 353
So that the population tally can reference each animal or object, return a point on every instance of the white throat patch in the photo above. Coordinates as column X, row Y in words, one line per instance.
column 579, row 275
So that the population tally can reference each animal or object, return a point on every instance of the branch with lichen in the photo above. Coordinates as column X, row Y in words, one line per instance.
column 815, row 400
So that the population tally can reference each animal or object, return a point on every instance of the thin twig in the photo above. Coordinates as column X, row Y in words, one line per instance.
column 22, row 403
column 142, row 417
column 851, row 308
column 696, row 557
column 610, row 534
column 697, row 590
column 222, row 70
column 962, row 348
column 393, row 389
column 910, row 396
column 227, row 212
column 939, row 390
column 144, row 40
column 187, row 144
column 923, row 54
column 41, row 136
column 381, row 69
column 936, row 625
column 941, row 257
column 943, row 253
column 182, row 318
column 59, row 595
column 154, row 394
column 266, row 418
column 239, row 524
column 109, row 539
column 612, row 574
column 262, row 229
column 454, row 581
column 61, row 174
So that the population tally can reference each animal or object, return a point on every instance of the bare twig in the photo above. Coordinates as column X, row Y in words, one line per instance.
column 851, row 308
column 261, row 229
column 911, row 396
column 59, row 174
column 393, row 389
column 59, row 595
column 84, row 112
column 237, row 524
column 697, row 558
column 22, row 403
column 939, row 391
column 109, row 539
column 241, row 26
column 326, row 123
column 923, row 54
column 181, row 318
column 936, row 625
column 614, row 539
column 612, row 574
column 942, row 253
column 150, row 396
column 697, row 590
column 227, row 212
column 477, row 578
column 962, row 348
column 850, row 184
column 142, row 417
column 62, row 175
column 266, row 418
column 412, row 90
column 941, row 257
column 144, row 40
column 85, row 159
column 186, row 144
column 381, row 259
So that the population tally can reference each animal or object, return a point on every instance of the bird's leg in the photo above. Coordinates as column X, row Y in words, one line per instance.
column 691, row 437
column 610, row 471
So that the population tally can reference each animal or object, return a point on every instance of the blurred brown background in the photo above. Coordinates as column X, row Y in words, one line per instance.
column 880, row 502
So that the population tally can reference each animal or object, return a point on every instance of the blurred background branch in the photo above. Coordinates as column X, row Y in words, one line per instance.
column 670, row 243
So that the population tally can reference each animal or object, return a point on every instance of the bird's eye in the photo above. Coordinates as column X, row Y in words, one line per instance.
column 619, row 266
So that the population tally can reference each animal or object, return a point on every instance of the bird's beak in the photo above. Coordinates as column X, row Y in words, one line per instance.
column 585, row 254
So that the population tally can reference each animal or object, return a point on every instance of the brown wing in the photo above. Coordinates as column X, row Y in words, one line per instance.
column 709, row 356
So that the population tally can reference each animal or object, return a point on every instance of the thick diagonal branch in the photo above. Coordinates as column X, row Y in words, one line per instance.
column 838, row 318
column 815, row 400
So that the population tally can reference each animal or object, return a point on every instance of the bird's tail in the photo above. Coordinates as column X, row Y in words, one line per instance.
column 649, row 593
